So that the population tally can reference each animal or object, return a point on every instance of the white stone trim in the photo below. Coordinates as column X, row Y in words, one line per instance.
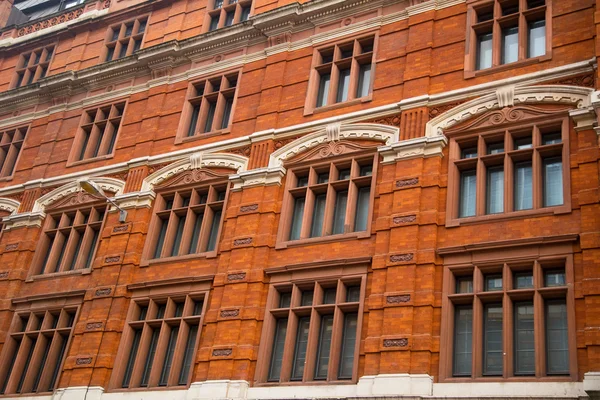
column 591, row 384
column 10, row 205
column 195, row 160
column 258, row 177
column 578, row 96
column 413, row 148
column 541, row 390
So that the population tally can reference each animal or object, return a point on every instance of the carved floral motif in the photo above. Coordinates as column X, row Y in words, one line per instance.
column 436, row 111
column 112, row 259
column 83, row 361
column 396, row 299
column 402, row 342
column 407, row 182
column 241, row 242
column 402, row 257
column 11, row 247
column 230, row 313
column 407, row 219
column 93, row 325
column 3, row 274
column 103, row 292
column 59, row 19
column 249, row 208
column 581, row 80
column 222, row 352
column 189, row 176
column 393, row 120
column 242, row 151
column 120, row 228
column 236, row 276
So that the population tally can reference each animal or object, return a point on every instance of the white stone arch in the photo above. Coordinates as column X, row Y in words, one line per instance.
column 9, row 205
column 506, row 96
column 194, row 161
column 107, row 184
column 382, row 133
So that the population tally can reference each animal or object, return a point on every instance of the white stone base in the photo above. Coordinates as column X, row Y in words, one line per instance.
column 591, row 384
column 545, row 390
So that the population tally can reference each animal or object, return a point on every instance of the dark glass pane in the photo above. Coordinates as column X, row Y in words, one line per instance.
column 551, row 138
column 524, row 339
column 27, row 362
column 278, row 348
column 166, row 369
column 555, row 277
column 348, row 344
column 467, row 195
column 143, row 313
column 142, row 26
column 188, row 357
column 245, row 14
column 552, row 182
column 196, row 234
column 366, row 170
column 492, row 340
column 523, row 143
column 353, row 294
column 318, row 215
column 343, row 85
column 76, row 254
column 463, row 332
column 61, row 354
column 323, row 93
column 362, row 209
column 214, row 231
column 285, row 299
column 307, row 298
column 150, row 357
column 210, row 115
column 11, row 366
column 229, row 18
column 339, row 214
column 135, row 344
column 557, row 338
column 179, row 309
column 123, row 51
column 464, row 284
column 41, row 364
column 194, row 119
column 297, row 218
column 178, row 236
column 495, row 148
column 364, row 80
column 198, row 307
column 300, row 349
column 302, row 181
column 226, row 113
column 324, row 347
column 214, row 22
column 162, row 231
column 523, row 186
column 344, row 174
column 323, row 178
column 523, row 280
column 493, row 282
column 329, row 295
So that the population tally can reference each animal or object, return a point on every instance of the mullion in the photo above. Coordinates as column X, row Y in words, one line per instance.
column 27, row 362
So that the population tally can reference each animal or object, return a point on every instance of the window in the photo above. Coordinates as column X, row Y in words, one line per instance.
column 520, row 169
column 158, row 345
column 342, row 73
column 124, row 39
column 11, row 142
column 186, row 222
column 312, row 328
column 523, row 327
column 507, row 31
column 227, row 12
column 209, row 107
column 33, row 66
column 35, row 349
column 69, row 240
column 332, row 198
column 98, row 132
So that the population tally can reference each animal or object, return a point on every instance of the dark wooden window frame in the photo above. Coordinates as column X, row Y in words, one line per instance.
column 191, row 123
column 152, row 295
column 480, row 138
column 98, row 133
column 495, row 25
column 317, row 66
column 12, row 141
column 507, row 259
column 113, row 44
column 297, row 277
column 219, row 9
column 33, row 71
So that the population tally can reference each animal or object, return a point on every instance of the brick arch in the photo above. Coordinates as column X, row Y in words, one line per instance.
column 508, row 96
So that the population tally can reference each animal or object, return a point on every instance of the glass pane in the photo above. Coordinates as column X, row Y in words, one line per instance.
column 524, row 339
column 214, row 231
column 344, row 174
column 245, row 14
column 523, row 143
column 348, row 343
column 302, row 181
column 188, row 357
column 178, row 236
column 194, row 120
column 323, row 90
column 229, row 18
column 300, row 349
column 278, row 347
column 523, row 280
column 493, row 283
column 557, row 338
column 166, row 369
column 364, row 80
column 343, row 85
column 162, row 231
column 467, row 194
column 318, row 215
column 510, row 45
column 210, row 116
column 366, row 170
column 27, row 362
column 553, row 183
column 523, row 186
column 552, row 138
column 339, row 214
column 196, row 234
column 492, row 340
column 307, row 298
column 214, row 22
column 324, row 347
column 41, row 365
column 329, row 295
column 484, row 51
column 353, row 294
column 150, row 357
column 133, row 353
column 297, row 218
column 464, row 284
column 362, row 209
column 537, row 39
column 226, row 113
column 495, row 190
column 463, row 332
column 495, row 148
column 554, row 278
column 285, row 299
column 323, row 178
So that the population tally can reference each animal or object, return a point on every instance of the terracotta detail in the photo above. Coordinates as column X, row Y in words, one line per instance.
column 404, row 220
column 402, row 257
column 402, row 342
column 155, row 167
column 393, row 120
column 222, row 352
column 240, row 242
column 230, row 313
column 586, row 80
column 112, row 259
column 236, row 276
column 189, row 176
column 120, row 228
column 279, row 39
column 11, row 247
column 39, row 25
column 4, row 274
column 93, row 325
column 249, row 208
column 407, row 182
column 75, row 199
column 282, row 142
column 103, row 292
column 242, row 151
column 438, row 110
column 83, row 361
column 396, row 299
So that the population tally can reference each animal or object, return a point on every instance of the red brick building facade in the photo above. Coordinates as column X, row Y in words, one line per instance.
column 324, row 199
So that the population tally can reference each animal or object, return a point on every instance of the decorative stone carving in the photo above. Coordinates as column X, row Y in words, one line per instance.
column 436, row 111
column 586, row 80
column 401, row 257
column 9, row 205
column 83, row 360
column 230, row 313
column 407, row 182
column 506, row 96
column 280, row 143
column 333, row 131
column 90, row 326
column 406, row 219
column 103, row 292
column 397, row 299
column 11, row 247
column 189, row 176
column 241, row 242
column 222, row 352
column 76, row 199
column 249, row 208
column 3, row 274
column 112, row 259
column 238, row 276
column 282, row 38
column 111, row 185
column 120, row 228
column 402, row 342
column 330, row 149
column 58, row 19
column 393, row 120
column 242, row 151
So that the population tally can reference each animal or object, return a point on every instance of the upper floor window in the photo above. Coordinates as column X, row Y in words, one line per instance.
column 209, row 107
column 507, row 31
column 341, row 73
column 518, row 169
column 124, row 39
column 227, row 12
column 32, row 66
column 69, row 240
column 186, row 222
column 159, row 342
column 11, row 143
column 35, row 348
column 97, row 134
column 332, row 198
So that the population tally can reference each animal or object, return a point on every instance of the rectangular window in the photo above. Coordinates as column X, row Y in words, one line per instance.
column 324, row 347
column 523, row 186
column 463, row 333
column 537, row 38
column 364, row 80
column 98, row 132
column 32, row 66
column 225, row 13
column 278, row 348
column 348, row 345
column 492, row 340
column 510, row 45
column 297, row 216
column 11, row 143
column 484, row 51
column 468, row 185
column 524, row 339
column 323, row 94
column 495, row 190
column 553, row 182
column 339, row 214
column 557, row 338
column 124, row 39
column 300, row 352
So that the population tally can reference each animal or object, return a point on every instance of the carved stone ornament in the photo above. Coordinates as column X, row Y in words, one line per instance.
column 90, row 326
column 238, row 276
column 249, row 208
column 120, row 228
column 438, row 110
column 402, row 342
column 392, row 120
column 586, row 80
column 331, row 149
column 241, row 242
column 242, row 151
column 230, row 313
column 3, row 274
column 407, row 182
column 407, row 219
column 112, row 259
column 397, row 299
column 103, row 292
column 75, row 199
column 222, row 352
column 58, row 19
column 11, row 247
column 402, row 257
column 83, row 361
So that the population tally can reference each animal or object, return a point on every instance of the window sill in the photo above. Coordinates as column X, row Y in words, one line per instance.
column 40, row 277
column 154, row 261
column 146, row 389
column 7, row 178
column 323, row 239
column 499, row 68
column 558, row 378
column 306, row 383
column 317, row 110
column 186, row 139
column 454, row 222
column 89, row 160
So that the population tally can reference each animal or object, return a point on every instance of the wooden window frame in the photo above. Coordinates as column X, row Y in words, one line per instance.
column 295, row 278
column 507, row 259
column 186, row 121
column 220, row 12
column 151, row 294
column 352, row 160
column 12, row 141
column 121, row 40
column 479, row 139
column 495, row 26
column 48, row 253
column 317, row 66
column 42, row 312
column 212, row 184
column 35, row 70
column 94, row 133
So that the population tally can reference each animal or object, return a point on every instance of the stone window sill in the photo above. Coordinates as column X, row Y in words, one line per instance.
column 154, row 261
column 323, row 239
column 564, row 209
column 499, row 68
